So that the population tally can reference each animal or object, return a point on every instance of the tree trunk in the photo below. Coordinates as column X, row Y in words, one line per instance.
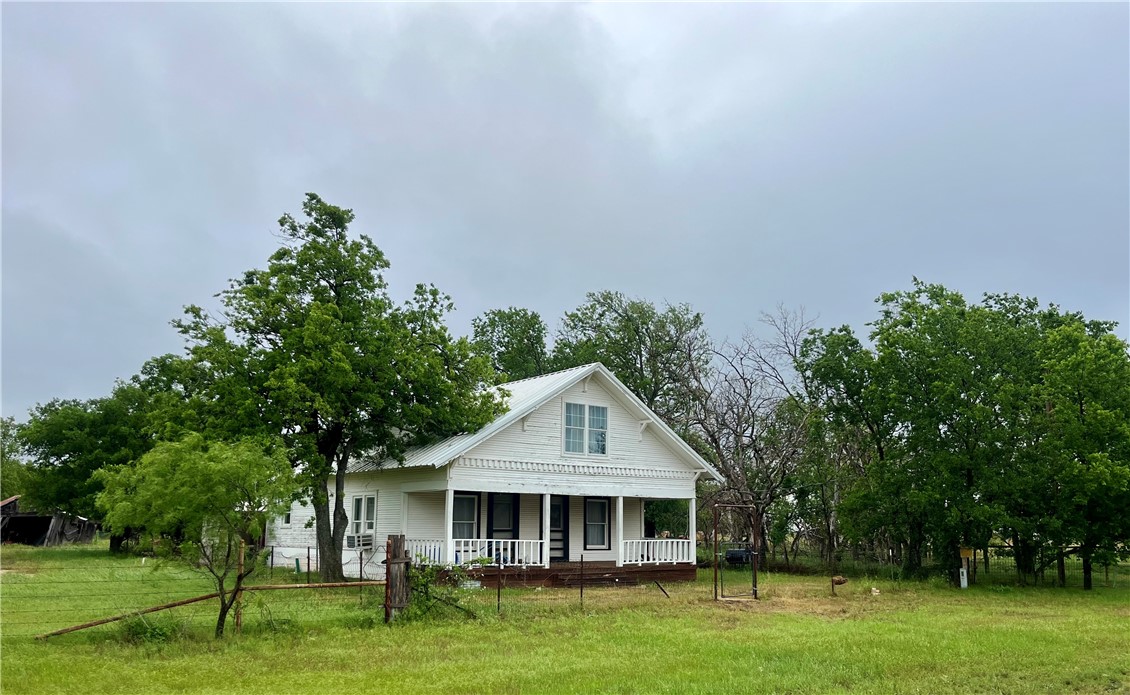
column 329, row 562
column 1087, row 568
column 341, row 520
column 226, row 603
column 1060, row 568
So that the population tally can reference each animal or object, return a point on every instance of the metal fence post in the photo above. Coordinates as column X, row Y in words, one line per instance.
column 582, row 581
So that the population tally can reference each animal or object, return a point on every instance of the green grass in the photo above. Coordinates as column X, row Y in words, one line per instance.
column 911, row 638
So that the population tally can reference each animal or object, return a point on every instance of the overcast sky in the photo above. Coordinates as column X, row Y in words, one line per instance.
column 730, row 156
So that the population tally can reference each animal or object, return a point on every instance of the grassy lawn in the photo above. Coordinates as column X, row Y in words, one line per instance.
column 911, row 638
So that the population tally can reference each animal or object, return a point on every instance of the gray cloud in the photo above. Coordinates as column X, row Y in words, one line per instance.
column 733, row 156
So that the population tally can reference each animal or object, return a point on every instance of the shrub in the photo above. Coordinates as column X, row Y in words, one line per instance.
column 148, row 629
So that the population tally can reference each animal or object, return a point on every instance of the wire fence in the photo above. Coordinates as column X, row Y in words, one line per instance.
column 42, row 590
column 993, row 565
column 47, row 589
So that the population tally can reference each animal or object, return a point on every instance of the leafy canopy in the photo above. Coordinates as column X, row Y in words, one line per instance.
column 203, row 503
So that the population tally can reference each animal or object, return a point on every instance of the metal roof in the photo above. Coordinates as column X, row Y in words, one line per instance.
column 526, row 396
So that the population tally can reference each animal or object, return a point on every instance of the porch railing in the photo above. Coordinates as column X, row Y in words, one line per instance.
column 498, row 552
column 430, row 550
column 658, row 551
column 493, row 552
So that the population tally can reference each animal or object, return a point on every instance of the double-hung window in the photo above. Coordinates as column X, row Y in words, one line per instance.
column 597, row 535
column 364, row 519
column 586, row 429
column 464, row 513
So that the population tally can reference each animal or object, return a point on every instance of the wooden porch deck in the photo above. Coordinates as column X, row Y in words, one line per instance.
column 569, row 574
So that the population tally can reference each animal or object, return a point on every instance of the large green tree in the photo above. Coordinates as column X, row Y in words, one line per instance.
column 1086, row 392
column 313, row 348
column 202, row 503
column 652, row 350
column 956, row 407
column 65, row 441
column 13, row 470
column 515, row 341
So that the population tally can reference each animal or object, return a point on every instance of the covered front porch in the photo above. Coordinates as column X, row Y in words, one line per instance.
column 516, row 530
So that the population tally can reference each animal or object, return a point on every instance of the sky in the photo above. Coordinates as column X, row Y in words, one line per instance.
column 735, row 157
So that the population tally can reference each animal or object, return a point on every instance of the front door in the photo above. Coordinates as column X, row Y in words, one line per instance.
column 558, row 528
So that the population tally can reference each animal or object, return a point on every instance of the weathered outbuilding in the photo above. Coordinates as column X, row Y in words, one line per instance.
column 29, row 527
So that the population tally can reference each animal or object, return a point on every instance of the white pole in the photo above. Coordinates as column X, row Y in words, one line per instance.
column 692, row 532
column 545, row 530
column 448, row 522
column 619, row 533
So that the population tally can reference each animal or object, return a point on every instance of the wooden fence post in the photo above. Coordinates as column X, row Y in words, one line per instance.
column 397, row 589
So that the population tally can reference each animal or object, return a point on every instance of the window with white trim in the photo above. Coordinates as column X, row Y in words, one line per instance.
column 364, row 518
column 464, row 514
column 286, row 519
column 586, row 429
column 597, row 536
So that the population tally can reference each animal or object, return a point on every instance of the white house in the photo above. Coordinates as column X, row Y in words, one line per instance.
column 563, row 473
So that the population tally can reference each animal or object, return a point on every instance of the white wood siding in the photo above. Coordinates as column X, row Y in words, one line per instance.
column 388, row 487
column 529, row 457
column 295, row 534
column 633, row 518
column 542, row 438
column 425, row 515
column 529, row 517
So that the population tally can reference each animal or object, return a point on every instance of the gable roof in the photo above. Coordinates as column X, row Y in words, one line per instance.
column 526, row 396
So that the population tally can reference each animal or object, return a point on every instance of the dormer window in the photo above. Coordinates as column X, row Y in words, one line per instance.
column 586, row 429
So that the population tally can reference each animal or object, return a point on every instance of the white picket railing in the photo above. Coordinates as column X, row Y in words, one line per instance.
column 498, row 553
column 430, row 550
column 491, row 552
column 658, row 550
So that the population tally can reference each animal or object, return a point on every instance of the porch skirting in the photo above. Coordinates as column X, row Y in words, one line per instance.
column 596, row 574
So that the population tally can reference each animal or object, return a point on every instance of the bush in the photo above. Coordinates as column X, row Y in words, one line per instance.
column 435, row 587
column 147, row 629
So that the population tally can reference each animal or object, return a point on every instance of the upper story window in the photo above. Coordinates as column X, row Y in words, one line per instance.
column 586, row 429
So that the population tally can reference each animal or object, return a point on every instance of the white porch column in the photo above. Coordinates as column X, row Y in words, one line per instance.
column 448, row 519
column 619, row 533
column 692, row 532
column 545, row 529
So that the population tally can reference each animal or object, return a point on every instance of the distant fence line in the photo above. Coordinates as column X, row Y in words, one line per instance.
column 997, row 567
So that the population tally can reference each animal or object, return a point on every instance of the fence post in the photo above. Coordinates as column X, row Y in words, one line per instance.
column 388, row 580
column 307, row 564
column 755, row 546
column 271, row 571
column 582, row 581
column 397, row 589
